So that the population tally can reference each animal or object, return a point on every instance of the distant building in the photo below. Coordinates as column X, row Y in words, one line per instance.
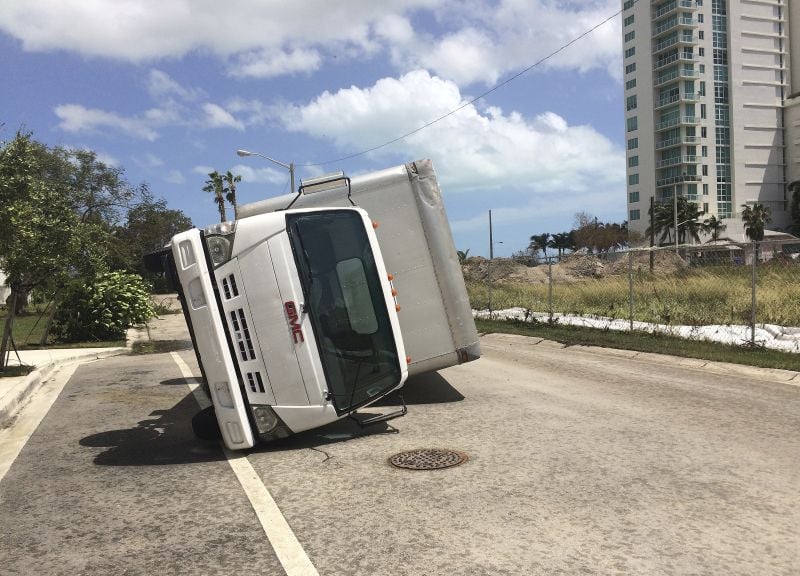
column 712, row 105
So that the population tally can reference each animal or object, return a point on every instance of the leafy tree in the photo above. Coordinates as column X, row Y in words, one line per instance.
column 149, row 226
column 714, row 226
column 39, row 231
column 216, row 185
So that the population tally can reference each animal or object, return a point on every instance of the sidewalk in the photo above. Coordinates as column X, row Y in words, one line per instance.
column 14, row 391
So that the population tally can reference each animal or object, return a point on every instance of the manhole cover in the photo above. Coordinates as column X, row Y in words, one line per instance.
column 428, row 459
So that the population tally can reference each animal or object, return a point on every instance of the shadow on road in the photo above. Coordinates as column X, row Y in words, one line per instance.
column 165, row 438
column 431, row 388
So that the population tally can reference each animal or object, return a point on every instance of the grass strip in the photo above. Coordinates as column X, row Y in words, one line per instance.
column 644, row 342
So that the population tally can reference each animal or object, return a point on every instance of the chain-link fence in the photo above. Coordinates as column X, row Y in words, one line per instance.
column 745, row 289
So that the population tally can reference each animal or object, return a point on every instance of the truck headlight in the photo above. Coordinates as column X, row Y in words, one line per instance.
column 265, row 418
column 219, row 241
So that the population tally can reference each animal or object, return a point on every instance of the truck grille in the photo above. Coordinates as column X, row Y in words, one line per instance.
column 242, row 333
column 229, row 287
column 255, row 381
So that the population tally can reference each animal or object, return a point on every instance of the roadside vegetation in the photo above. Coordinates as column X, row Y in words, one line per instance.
column 72, row 235
column 675, row 295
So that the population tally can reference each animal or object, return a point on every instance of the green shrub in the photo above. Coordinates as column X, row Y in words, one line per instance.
column 102, row 308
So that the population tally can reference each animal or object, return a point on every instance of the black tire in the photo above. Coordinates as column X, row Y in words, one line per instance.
column 205, row 425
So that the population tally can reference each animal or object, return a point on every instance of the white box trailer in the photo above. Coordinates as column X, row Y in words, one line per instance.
column 418, row 250
column 311, row 306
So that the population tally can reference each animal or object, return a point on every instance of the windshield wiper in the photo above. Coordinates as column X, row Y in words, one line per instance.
column 306, row 258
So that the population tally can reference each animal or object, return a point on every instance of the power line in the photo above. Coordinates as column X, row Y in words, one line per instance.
column 470, row 102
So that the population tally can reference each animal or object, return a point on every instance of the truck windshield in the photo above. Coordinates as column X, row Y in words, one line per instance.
column 346, row 306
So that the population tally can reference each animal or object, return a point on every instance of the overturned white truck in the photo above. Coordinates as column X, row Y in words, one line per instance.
column 311, row 306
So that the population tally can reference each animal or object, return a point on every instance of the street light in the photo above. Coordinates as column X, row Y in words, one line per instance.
column 289, row 167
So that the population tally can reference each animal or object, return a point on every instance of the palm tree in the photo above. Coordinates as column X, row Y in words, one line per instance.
column 754, row 218
column 230, row 189
column 215, row 185
column 689, row 224
column 714, row 226
column 463, row 256
column 663, row 221
column 560, row 242
column 540, row 242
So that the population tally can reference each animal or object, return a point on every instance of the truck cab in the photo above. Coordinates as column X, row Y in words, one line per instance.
column 293, row 317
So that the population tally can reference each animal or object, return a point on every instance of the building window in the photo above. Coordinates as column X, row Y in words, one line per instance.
column 702, row 88
column 633, row 179
column 705, row 207
column 705, row 169
column 705, row 151
column 630, row 84
column 634, row 214
column 700, row 35
column 630, row 51
column 632, row 123
column 702, row 68
column 703, row 133
column 633, row 161
column 628, row 4
column 630, row 102
column 633, row 197
column 633, row 143
column 629, row 19
column 630, row 35
column 701, row 51
column 702, row 111
column 700, row 18
column 705, row 189
column 630, row 68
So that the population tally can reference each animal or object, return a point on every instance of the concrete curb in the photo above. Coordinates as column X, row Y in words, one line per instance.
column 24, row 386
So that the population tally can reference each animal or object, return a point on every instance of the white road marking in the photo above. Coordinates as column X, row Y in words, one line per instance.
column 288, row 549
column 14, row 438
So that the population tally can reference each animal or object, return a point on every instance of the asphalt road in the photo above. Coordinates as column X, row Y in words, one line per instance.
column 580, row 462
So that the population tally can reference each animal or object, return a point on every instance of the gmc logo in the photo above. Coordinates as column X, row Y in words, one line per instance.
column 294, row 322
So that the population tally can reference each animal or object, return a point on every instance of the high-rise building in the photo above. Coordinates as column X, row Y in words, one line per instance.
column 710, row 107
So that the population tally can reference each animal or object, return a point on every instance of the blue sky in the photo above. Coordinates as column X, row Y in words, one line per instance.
column 169, row 90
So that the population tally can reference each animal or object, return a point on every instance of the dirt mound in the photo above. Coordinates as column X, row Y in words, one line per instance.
column 572, row 268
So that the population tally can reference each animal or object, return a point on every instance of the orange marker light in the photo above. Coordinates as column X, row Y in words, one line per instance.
column 408, row 359
column 375, row 224
column 394, row 292
column 397, row 307
column 391, row 277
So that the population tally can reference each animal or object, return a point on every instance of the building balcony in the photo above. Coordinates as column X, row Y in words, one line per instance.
column 677, row 180
column 673, row 6
column 679, row 121
column 680, row 141
column 677, row 74
column 681, row 40
column 676, row 160
column 674, row 24
column 675, row 57
column 666, row 101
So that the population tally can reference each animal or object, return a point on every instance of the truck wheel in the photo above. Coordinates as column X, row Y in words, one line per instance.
column 205, row 425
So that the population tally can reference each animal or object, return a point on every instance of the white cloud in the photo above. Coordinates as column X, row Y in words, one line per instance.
column 472, row 149
column 161, row 84
column 267, row 63
column 76, row 118
column 204, row 170
column 265, row 175
column 107, row 159
column 466, row 41
column 175, row 177
column 217, row 117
